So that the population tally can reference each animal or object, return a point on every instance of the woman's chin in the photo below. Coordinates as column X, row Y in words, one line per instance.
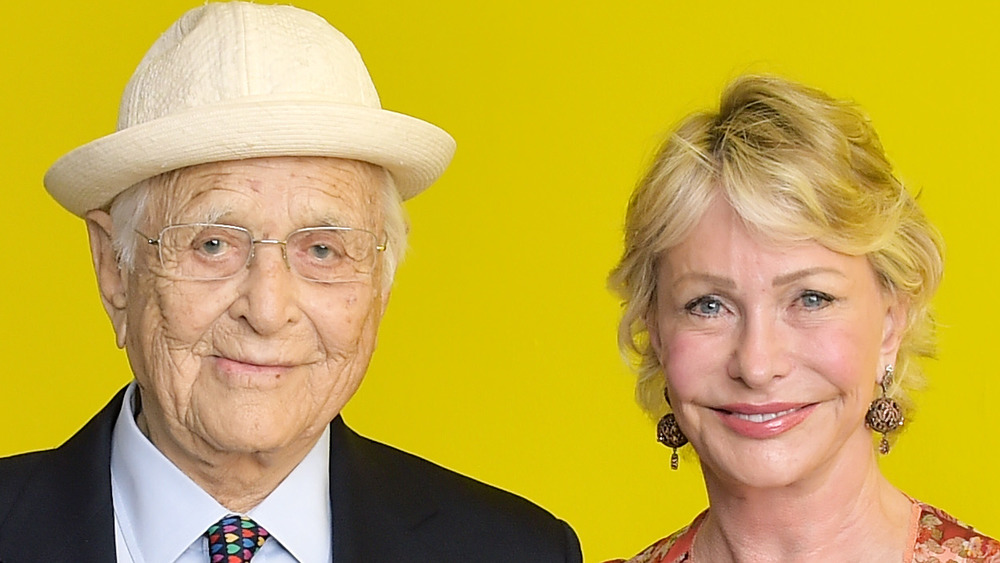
column 762, row 465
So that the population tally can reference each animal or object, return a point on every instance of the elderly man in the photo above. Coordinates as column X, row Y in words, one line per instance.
column 245, row 221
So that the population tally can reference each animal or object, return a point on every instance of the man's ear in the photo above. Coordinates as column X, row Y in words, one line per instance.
column 112, row 280
column 386, row 293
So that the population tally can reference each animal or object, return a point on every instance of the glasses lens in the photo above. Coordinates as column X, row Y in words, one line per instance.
column 332, row 254
column 204, row 251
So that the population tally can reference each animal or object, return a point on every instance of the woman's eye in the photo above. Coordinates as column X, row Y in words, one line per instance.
column 815, row 299
column 708, row 306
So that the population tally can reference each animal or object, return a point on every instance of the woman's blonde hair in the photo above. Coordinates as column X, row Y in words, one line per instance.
column 795, row 165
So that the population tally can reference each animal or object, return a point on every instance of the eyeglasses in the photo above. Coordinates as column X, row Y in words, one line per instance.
column 207, row 251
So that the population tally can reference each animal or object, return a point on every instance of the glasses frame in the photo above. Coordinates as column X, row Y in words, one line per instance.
column 379, row 247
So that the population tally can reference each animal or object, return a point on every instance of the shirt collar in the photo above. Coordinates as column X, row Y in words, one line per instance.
column 154, row 499
column 298, row 512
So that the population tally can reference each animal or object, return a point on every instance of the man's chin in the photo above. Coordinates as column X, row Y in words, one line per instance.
column 261, row 436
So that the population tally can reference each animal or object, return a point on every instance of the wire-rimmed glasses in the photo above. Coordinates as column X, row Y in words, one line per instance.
column 209, row 251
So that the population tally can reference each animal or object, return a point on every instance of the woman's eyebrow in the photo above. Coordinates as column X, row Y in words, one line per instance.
column 704, row 277
column 785, row 279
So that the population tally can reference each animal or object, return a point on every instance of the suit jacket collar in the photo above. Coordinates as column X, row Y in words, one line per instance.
column 375, row 504
column 67, row 500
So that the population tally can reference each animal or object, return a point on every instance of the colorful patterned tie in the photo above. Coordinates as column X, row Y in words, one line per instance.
column 234, row 539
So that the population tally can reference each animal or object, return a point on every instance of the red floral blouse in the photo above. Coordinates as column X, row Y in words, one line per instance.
column 937, row 538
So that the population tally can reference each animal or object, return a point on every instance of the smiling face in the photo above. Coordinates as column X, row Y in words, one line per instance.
column 262, row 361
column 771, row 352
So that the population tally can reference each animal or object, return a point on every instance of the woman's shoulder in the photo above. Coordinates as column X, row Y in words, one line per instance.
column 675, row 548
column 940, row 538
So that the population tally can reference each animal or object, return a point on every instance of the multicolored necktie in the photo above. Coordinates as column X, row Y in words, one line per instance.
column 234, row 539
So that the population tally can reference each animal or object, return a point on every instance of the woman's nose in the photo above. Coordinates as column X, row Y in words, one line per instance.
column 760, row 354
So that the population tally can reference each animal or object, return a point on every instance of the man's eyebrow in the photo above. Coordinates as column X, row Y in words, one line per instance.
column 214, row 214
column 197, row 210
column 330, row 220
column 211, row 215
column 785, row 279
column 334, row 219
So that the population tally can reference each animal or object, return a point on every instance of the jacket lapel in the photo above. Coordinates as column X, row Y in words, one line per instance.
column 64, row 510
column 376, row 508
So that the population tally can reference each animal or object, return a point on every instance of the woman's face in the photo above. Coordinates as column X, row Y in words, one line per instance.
column 771, row 352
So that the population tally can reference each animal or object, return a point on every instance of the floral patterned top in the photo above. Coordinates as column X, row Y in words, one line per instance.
column 937, row 538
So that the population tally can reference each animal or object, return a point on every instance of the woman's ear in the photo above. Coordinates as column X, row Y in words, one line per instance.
column 893, row 328
column 112, row 279
column 653, row 329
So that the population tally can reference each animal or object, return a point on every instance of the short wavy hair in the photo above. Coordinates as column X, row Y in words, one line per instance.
column 795, row 165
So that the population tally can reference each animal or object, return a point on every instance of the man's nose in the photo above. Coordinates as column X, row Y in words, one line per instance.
column 268, row 299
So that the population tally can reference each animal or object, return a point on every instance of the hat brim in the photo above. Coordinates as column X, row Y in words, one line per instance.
column 415, row 152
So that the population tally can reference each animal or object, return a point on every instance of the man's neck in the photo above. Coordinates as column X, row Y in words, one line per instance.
column 239, row 481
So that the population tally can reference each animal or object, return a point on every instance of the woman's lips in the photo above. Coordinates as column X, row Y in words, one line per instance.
column 764, row 421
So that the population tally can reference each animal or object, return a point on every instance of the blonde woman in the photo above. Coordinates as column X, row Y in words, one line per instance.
column 776, row 282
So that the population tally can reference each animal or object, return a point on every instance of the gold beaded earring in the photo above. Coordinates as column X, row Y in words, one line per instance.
column 884, row 414
column 668, row 433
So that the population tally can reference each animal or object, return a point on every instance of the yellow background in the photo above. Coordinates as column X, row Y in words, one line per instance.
column 497, row 356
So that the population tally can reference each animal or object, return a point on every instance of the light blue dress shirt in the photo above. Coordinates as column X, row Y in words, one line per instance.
column 161, row 514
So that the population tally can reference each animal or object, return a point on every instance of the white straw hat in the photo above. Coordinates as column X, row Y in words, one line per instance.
column 238, row 80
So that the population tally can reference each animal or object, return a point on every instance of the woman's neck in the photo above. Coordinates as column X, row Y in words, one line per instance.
column 849, row 512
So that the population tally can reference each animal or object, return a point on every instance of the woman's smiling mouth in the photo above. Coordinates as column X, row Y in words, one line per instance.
column 764, row 421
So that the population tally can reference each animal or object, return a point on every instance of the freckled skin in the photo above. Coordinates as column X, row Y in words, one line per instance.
column 241, row 376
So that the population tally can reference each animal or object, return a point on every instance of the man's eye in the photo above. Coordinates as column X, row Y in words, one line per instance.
column 320, row 251
column 707, row 306
column 815, row 299
column 213, row 246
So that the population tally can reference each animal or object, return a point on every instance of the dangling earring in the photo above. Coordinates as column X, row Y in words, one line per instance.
column 884, row 414
column 668, row 433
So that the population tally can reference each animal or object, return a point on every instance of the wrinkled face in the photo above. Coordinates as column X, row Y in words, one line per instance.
column 262, row 360
column 771, row 352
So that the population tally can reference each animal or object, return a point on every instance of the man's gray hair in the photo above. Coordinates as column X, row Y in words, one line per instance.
column 128, row 211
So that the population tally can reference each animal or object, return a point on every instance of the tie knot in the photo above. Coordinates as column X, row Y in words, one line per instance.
column 234, row 539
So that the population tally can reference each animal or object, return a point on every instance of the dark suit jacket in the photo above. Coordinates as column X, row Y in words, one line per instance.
column 388, row 506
